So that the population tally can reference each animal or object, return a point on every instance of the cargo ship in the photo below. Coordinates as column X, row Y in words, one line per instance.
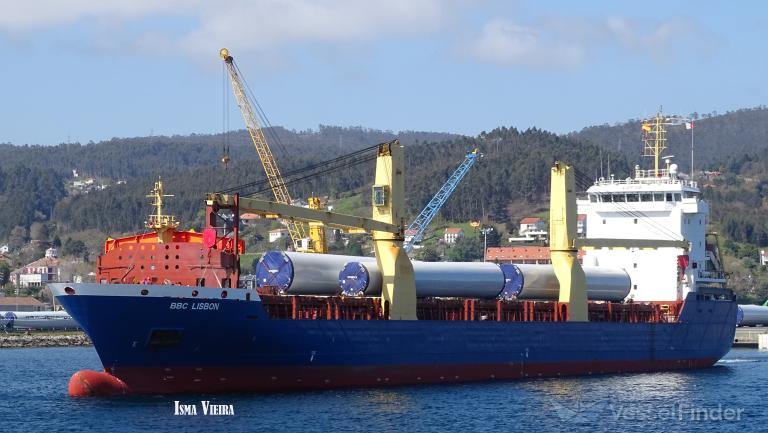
column 166, row 314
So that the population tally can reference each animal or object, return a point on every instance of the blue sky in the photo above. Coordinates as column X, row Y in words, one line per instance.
column 85, row 70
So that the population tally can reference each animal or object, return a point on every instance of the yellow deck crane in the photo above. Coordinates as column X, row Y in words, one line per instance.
column 296, row 229
column 398, row 295
column 562, row 228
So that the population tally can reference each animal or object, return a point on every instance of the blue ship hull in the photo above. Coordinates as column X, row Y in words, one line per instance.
column 165, row 342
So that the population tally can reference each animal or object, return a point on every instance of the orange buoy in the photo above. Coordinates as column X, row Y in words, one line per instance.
column 89, row 383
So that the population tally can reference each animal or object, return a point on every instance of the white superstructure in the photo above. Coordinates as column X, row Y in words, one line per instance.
column 657, row 204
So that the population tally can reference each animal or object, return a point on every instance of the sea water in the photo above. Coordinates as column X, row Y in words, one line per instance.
column 728, row 397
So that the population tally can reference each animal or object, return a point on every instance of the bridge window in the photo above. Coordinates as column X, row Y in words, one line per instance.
column 619, row 198
column 646, row 197
column 669, row 196
column 632, row 198
column 658, row 196
column 677, row 196
column 593, row 198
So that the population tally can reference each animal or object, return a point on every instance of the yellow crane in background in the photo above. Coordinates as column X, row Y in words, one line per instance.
column 315, row 242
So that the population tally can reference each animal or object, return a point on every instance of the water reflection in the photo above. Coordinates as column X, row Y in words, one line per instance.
column 387, row 401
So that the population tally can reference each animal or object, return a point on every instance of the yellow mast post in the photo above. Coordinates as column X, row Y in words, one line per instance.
column 398, row 291
column 317, row 229
column 163, row 224
column 655, row 139
column 562, row 233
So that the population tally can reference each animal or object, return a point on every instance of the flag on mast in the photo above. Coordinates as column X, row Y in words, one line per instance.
column 689, row 125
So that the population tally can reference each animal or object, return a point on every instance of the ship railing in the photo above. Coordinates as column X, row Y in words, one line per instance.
column 301, row 307
column 646, row 179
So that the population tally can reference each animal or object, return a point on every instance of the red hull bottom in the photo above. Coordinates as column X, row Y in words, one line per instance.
column 281, row 379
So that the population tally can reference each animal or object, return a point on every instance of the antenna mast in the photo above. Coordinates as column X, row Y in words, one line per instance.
column 655, row 139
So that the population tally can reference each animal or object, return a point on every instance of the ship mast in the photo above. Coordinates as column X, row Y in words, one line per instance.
column 655, row 138
column 159, row 221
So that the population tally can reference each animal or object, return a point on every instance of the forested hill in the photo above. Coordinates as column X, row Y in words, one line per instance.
column 33, row 178
column 127, row 158
column 716, row 138
column 739, row 198
column 515, row 169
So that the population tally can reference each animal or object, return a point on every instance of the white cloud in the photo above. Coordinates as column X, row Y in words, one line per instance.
column 504, row 42
column 272, row 24
column 572, row 41
column 25, row 16
column 244, row 25
column 270, row 27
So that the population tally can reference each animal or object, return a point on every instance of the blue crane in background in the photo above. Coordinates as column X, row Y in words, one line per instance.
column 415, row 232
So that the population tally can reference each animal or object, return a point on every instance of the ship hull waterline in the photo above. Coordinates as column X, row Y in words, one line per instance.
column 234, row 347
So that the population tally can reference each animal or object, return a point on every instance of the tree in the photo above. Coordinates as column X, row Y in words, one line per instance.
column 428, row 253
column 5, row 273
column 465, row 250
column 38, row 231
column 337, row 247
column 75, row 248
column 493, row 238
column 354, row 247
column 17, row 238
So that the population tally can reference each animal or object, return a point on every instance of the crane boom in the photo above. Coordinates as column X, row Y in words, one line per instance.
column 296, row 230
column 415, row 231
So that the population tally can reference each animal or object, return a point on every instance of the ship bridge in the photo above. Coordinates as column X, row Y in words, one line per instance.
column 658, row 203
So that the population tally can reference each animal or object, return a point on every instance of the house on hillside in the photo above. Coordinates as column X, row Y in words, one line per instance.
column 277, row 234
column 23, row 303
column 532, row 225
column 5, row 249
column 532, row 229
column 452, row 234
column 37, row 273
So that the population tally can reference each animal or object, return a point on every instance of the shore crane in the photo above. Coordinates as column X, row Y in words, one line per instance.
column 297, row 230
column 415, row 231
